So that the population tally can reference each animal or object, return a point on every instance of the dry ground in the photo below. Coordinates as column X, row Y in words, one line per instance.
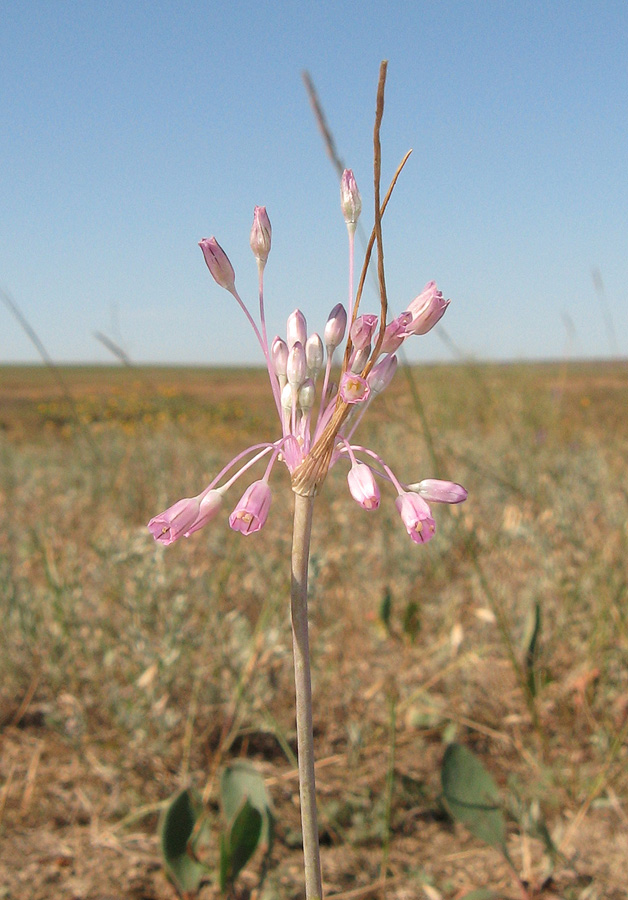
column 129, row 670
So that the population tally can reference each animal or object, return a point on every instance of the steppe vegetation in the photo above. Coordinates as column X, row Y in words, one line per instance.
column 129, row 670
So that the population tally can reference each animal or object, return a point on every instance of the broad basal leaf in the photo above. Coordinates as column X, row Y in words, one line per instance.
column 472, row 796
column 177, row 825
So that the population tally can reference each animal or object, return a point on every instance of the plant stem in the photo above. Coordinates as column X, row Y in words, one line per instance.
column 303, row 508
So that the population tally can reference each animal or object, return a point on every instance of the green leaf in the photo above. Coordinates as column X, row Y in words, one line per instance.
column 531, row 647
column 385, row 609
column 472, row 797
column 244, row 837
column 238, row 844
column 176, row 828
column 412, row 620
column 225, row 863
column 240, row 782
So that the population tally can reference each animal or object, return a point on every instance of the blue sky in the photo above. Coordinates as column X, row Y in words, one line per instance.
column 131, row 130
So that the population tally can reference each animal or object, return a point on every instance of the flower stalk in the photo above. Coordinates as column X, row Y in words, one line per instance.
column 312, row 440
column 302, row 529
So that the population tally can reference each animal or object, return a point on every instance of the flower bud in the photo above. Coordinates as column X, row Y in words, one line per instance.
column 218, row 263
column 396, row 333
column 335, row 328
column 252, row 511
column 350, row 200
column 354, row 388
column 296, row 328
column 438, row 491
column 382, row 374
column 359, row 358
column 286, row 397
column 307, row 395
column 279, row 356
column 314, row 355
column 427, row 309
column 261, row 233
column 362, row 330
column 416, row 516
column 363, row 486
column 296, row 368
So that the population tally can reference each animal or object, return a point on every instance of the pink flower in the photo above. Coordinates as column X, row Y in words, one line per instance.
column 416, row 516
column 218, row 263
column 175, row 521
column 252, row 511
column 312, row 440
column 362, row 330
column 427, row 309
column 354, row 388
column 396, row 333
column 209, row 508
column 363, row 486
column 438, row 491
column 261, row 234
column 350, row 200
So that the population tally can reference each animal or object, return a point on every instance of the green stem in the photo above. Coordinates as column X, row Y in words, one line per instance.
column 303, row 508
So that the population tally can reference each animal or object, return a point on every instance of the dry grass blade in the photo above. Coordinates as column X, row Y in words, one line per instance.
column 28, row 696
column 377, row 175
column 32, row 335
column 321, row 121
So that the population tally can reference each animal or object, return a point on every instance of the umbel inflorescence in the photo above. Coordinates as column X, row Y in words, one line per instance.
column 317, row 417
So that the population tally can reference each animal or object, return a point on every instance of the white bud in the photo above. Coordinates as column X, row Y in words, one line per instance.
column 314, row 355
column 296, row 329
column 350, row 200
column 307, row 395
column 360, row 358
column 279, row 356
column 296, row 368
column 286, row 397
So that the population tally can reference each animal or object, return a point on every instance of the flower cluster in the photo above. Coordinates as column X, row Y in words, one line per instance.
column 314, row 436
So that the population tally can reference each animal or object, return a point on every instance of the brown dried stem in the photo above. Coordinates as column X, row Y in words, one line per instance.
column 370, row 245
column 313, row 470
